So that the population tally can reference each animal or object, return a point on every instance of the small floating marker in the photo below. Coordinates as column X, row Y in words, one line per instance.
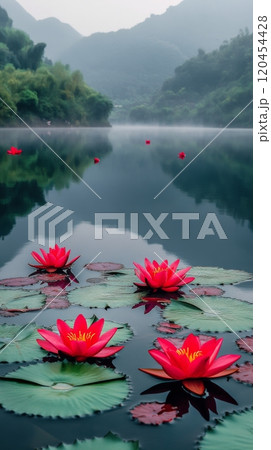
column 96, row 160
column 14, row 151
column 148, row 142
column 182, row 155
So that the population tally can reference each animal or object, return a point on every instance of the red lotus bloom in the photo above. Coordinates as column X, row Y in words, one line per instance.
column 192, row 361
column 96, row 160
column 182, row 155
column 163, row 276
column 55, row 259
column 14, row 151
column 81, row 342
column 148, row 142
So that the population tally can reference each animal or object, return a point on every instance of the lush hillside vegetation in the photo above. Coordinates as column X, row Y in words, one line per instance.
column 43, row 92
column 208, row 89
column 130, row 64
column 58, row 36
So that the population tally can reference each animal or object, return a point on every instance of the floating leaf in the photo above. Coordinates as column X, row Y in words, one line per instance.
column 52, row 291
column 62, row 389
column 207, row 291
column 234, row 431
column 95, row 280
column 21, row 343
column 123, row 334
column 126, row 277
column 59, row 302
column 104, row 266
column 20, row 300
column 103, row 296
column 215, row 314
column 245, row 373
column 246, row 344
column 154, row 413
column 50, row 277
column 109, row 442
column 18, row 282
column 217, row 275
column 167, row 327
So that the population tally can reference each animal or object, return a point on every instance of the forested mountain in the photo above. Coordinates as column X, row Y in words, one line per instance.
column 57, row 35
column 43, row 92
column 209, row 89
column 129, row 64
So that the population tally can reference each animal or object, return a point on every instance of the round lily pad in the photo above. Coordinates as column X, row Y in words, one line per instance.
column 245, row 373
column 104, row 296
column 109, row 442
column 62, row 389
column 125, row 277
column 234, row 431
column 154, row 413
column 18, row 282
column 207, row 291
column 18, row 343
column 19, row 299
column 246, row 344
column 214, row 314
column 216, row 275
column 104, row 266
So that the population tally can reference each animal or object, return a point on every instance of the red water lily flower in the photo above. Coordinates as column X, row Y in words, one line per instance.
column 182, row 155
column 55, row 259
column 192, row 361
column 81, row 342
column 161, row 276
column 96, row 160
column 14, row 151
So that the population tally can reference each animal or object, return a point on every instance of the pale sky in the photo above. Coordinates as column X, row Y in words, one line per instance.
column 90, row 16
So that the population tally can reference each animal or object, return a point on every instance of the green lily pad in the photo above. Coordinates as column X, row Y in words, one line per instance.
column 234, row 431
column 123, row 334
column 125, row 277
column 109, row 442
column 62, row 389
column 18, row 343
column 216, row 275
column 214, row 314
column 104, row 296
column 20, row 299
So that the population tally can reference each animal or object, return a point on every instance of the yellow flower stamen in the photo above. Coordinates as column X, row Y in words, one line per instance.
column 81, row 337
column 190, row 356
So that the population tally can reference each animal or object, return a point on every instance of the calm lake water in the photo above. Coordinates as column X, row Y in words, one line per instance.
column 128, row 179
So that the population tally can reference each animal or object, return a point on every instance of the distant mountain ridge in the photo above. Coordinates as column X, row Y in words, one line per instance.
column 128, row 64
column 57, row 35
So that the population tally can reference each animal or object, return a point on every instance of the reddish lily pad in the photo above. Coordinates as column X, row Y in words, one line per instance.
column 246, row 344
column 60, row 302
column 244, row 373
column 154, row 413
column 167, row 327
column 50, row 277
column 208, row 291
column 104, row 266
column 52, row 291
column 18, row 282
